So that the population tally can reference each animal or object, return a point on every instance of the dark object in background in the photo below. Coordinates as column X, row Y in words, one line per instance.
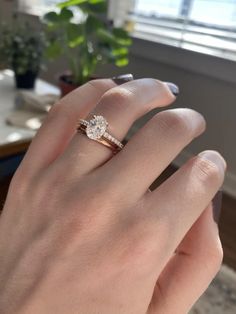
column 26, row 80
column 66, row 84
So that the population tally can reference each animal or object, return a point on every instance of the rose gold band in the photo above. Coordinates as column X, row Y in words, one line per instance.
column 103, row 140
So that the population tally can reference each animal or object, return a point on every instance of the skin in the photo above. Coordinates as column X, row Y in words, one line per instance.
column 80, row 231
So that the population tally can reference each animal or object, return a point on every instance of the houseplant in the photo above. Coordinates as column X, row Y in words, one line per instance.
column 80, row 32
column 21, row 49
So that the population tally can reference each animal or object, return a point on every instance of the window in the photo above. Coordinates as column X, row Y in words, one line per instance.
column 207, row 26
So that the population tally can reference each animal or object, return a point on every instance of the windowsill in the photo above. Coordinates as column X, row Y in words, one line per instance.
column 197, row 62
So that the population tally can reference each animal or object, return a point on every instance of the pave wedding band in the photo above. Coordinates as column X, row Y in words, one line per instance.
column 96, row 129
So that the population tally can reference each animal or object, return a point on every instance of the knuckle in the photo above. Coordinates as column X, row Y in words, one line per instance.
column 162, row 87
column 94, row 84
column 172, row 122
column 19, row 182
column 22, row 180
column 60, row 108
column 97, row 85
column 164, row 96
column 207, row 170
column 118, row 97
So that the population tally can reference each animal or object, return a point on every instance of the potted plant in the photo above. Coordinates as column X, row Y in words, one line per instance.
column 80, row 32
column 21, row 49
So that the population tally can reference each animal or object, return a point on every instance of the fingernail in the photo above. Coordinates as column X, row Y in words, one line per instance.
column 216, row 206
column 215, row 158
column 124, row 78
column 174, row 88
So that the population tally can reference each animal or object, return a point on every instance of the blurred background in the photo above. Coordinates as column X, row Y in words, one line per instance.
column 50, row 47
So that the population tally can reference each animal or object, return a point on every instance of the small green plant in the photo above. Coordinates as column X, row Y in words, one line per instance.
column 86, row 43
column 21, row 48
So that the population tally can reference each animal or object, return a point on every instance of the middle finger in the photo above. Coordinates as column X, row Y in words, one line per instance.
column 152, row 149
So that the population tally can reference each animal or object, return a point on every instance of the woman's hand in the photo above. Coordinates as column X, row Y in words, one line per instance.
column 81, row 234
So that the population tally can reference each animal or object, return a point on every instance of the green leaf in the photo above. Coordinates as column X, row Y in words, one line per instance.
column 124, row 42
column 93, row 24
column 53, row 27
column 65, row 15
column 120, row 33
column 120, row 52
column 122, row 62
column 122, row 36
column 97, row 7
column 70, row 3
column 51, row 17
column 107, row 55
column 74, row 34
column 54, row 50
column 106, row 36
column 113, row 40
column 96, row 1
column 76, row 42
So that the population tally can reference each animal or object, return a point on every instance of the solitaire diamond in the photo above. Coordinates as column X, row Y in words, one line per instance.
column 96, row 127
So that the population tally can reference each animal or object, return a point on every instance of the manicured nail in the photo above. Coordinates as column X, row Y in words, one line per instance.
column 216, row 206
column 174, row 88
column 121, row 79
column 215, row 158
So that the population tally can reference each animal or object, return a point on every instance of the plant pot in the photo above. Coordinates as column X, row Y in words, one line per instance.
column 26, row 80
column 66, row 85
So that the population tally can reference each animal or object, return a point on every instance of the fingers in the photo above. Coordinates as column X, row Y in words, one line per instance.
column 60, row 124
column 191, row 269
column 182, row 198
column 152, row 149
column 121, row 106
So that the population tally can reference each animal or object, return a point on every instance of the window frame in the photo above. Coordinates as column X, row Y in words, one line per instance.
column 183, row 33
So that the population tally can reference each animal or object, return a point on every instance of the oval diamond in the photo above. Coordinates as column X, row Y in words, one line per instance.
column 96, row 127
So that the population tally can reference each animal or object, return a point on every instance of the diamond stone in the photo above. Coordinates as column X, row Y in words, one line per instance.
column 96, row 127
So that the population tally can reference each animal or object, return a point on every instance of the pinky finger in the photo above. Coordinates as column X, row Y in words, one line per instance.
column 191, row 269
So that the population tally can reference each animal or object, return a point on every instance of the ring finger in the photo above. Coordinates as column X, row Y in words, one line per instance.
column 121, row 107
